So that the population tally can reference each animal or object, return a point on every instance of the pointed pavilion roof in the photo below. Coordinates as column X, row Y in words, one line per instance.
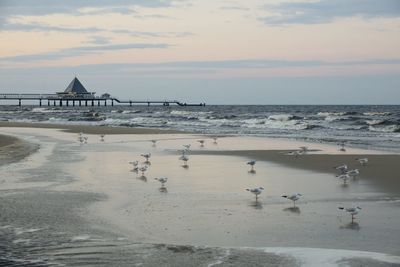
column 75, row 86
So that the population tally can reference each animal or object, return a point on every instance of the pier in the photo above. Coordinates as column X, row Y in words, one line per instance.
column 76, row 95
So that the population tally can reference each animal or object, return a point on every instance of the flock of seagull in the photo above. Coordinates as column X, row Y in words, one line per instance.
column 345, row 173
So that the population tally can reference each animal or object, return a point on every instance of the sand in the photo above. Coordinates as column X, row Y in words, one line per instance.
column 13, row 149
column 204, row 215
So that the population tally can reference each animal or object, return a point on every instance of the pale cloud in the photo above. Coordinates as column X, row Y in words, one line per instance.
column 80, row 51
column 325, row 11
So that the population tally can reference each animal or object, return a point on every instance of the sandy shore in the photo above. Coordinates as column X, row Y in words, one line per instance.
column 203, row 214
column 382, row 170
column 88, row 129
column 13, row 149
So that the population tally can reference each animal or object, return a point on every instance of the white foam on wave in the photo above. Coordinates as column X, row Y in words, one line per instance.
column 316, row 257
column 79, row 238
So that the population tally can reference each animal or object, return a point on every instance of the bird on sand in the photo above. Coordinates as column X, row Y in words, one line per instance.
column 293, row 198
column 363, row 161
column 146, row 156
column 353, row 211
column 251, row 163
column 342, row 168
column 162, row 180
column 256, row 191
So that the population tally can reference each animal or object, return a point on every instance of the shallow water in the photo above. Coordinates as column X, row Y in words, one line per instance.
column 72, row 204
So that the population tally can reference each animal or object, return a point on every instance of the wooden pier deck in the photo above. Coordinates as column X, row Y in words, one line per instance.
column 62, row 100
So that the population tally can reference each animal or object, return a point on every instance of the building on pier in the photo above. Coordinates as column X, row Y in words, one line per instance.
column 75, row 89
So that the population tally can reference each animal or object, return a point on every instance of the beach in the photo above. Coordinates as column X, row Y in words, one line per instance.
column 81, row 204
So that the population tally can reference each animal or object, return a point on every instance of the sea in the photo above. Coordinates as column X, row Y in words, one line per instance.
column 363, row 126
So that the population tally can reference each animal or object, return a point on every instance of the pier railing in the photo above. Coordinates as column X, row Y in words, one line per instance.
column 87, row 100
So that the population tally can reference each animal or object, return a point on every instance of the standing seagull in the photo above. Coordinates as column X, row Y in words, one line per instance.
column 304, row 149
column 251, row 163
column 363, row 161
column 215, row 140
column 143, row 169
column 293, row 198
column 146, row 156
column 342, row 168
column 162, row 181
column 185, row 159
column 342, row 148
column 102, row 137
column 201, row 142
column 353, row 173
column 154, row 142
column 135, row 165
column 352, row 211
column 256, row 191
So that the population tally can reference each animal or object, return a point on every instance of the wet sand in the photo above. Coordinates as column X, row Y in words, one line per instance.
column 88, row 129
column 13, row 149
column 383, row 170
column 203, row 217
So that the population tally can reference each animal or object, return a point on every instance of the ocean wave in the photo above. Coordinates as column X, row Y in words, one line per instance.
column 385, row 129
column 377, row 113
column 284, row 117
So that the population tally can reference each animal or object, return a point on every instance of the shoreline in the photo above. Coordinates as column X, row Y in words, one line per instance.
column 13, row 149
column 90, row 129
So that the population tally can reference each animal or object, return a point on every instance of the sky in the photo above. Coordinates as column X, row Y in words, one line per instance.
column 213, row 51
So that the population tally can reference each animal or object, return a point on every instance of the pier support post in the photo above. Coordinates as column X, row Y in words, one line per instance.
column 130, row 103
column 105, row 103
column 85, row 103
column 48, row 103
column 67, row 103
column 60, row 103
column 148, row 104
column 40, row 102
column 98, row 103
column 19, row 102
column 73, row 103
column 92, row 103
column 80, row 104
column 112, row 102
column 54, row 103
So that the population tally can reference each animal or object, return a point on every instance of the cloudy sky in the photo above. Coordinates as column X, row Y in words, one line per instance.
column 214, row 51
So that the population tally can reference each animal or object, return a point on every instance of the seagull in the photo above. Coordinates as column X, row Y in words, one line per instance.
column 345, row 177
column 143, row 169
column 102, row 137
column 304, row 149
column 295, row 153
column 135, row 165
column 352, row 211
column 201, row 142
column 363, row 161
column 185, row 159
column 187, row 147
column 154, row 142
column 162, row 181
column 293, row 198
column 215, row 140
column 256, row 191
column 353, row 173
column 146, row 156
column 251, row 163
column 342, row 168
column 342, row 148
column 85, row 139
